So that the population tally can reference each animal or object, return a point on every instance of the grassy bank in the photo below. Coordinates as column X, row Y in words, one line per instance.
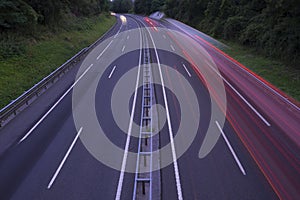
column 43, row 55
column 280, row 74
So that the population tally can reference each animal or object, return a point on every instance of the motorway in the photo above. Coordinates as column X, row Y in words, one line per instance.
column 214, row 129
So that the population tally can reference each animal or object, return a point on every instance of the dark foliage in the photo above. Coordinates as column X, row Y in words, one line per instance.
column 271, row 26
column 22, row 22
column 122, row 6
column 148, row 6
column 17, row 14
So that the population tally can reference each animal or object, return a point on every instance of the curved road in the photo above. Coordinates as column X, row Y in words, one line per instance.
column 254, row 151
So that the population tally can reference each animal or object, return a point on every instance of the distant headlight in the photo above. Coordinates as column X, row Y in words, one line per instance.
column 123, row 19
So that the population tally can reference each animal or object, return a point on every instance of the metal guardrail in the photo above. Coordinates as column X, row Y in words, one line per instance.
column 19, row 104
column 12, row 109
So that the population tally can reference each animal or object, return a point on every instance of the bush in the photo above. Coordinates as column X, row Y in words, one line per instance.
column 288, row 38
column 251, row 34
column 233, row 26
column 15, row 14
column 10, row 45
column 217, row 28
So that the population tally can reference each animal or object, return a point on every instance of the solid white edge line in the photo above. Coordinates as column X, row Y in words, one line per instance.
column 104, row 50
column 64, row 160
column 187, row 71
column 52, row 108
column 250, row 106
column 60, row 99
column 270, row 88
column 172, row 47
column 121, row 177
column 284, row 98
column 175, row 164
column 231, row 150
column 112, row 71
column 118, row 31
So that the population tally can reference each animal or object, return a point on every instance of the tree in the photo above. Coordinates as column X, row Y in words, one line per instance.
column 85, row 7
column 142, row 6
column 271, row 26
column 122, row 6
column 104, row 5
column 171, row 8
column 14, row 14
column 21, row 13
column 157, row 5
column 50, row 11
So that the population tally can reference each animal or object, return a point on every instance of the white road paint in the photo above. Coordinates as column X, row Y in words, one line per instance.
column 104, row 50
column 243, row 98
column 121, row 177
column 257, row 79
column 118, row 31
column 270, row 88
column 172, row 47
column 123, row 48
column 231, row 150
column 164, row 36
column 61, row 98
column 187, row 71
column 127, row 37
column 175, row 164
column 52, row 108
column 64, row 160
column 112, row 71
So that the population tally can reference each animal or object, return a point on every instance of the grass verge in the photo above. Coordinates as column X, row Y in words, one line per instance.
column 20, row 72
column 274, row 71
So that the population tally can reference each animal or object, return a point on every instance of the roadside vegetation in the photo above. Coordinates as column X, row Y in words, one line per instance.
column 37, row 37
column 270, row 26
column 278, row 73
column 122, row 6
column 264, row 35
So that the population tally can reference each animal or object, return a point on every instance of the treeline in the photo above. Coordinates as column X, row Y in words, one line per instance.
column 25, row 14
column 271, row 26
column 25, row 22
column 148, row 6
column 122, row 6
column 138, row 6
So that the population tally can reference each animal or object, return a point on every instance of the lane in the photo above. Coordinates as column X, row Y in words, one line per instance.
column 282, row 175
column 124, row 161
column 219, row 166
column 170, row 129
column 266, row 185
column 280, row 139
column 89, row 173
column 267, row 96
column 26, row 119
column 50, row 158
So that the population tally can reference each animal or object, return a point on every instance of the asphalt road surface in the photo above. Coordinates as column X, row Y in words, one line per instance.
column 214, row 129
